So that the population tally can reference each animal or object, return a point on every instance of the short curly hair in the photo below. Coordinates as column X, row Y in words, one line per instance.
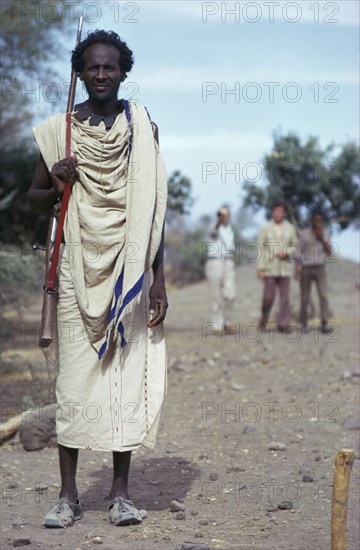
column 109, row 38
column 279, row 202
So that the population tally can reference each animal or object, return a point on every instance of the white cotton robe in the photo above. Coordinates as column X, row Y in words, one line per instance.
column 112, row 232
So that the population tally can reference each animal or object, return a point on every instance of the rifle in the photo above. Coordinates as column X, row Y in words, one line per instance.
column 55, row 231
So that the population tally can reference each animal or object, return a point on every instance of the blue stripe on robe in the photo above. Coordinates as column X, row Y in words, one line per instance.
column 118, row 291
column 121, row 331
column 131, row 294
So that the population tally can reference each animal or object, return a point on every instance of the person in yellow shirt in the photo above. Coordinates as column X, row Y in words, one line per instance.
column 278, row 246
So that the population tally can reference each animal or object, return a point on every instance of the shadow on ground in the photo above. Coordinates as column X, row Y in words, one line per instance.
column 151, row 483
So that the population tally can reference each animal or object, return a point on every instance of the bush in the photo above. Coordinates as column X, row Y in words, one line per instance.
column 21, row 274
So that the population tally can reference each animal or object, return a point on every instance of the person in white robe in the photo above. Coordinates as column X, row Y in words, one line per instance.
column 220, row 273
column 111, row 291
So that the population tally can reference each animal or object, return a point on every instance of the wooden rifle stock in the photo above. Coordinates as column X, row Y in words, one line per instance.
column 48, row 313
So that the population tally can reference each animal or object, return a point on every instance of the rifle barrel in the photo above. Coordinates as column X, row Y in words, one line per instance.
column 72, row 89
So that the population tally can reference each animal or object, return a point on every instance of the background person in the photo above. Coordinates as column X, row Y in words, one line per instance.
column 315, row 249
column 278, row 244
column 220, row 271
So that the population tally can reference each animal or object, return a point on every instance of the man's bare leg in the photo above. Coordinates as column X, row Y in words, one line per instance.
column 121, row 463
column 121, row 509
column 64, row 512
column 68, row 458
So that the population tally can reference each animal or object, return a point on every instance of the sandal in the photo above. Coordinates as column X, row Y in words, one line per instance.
column 63, row 514
column 123, row 512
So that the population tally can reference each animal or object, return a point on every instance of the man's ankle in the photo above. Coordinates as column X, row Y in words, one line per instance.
column 71, row 495
column 119, row 492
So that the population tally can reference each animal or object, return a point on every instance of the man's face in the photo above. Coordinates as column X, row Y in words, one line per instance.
column 317, row 220
column 101, row 74
column 278, row 214
column 224, row 215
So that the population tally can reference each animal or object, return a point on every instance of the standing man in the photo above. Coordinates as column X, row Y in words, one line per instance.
column 220, row 271
column 315, row 248
column 278, row 245
column 111, row 381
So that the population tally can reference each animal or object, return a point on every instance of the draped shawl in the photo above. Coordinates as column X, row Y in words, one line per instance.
column 115, row 215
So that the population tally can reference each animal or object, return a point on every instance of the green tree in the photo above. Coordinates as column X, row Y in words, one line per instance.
column 185, row 250
column 18, row 224
column 179, row 194
column 30, row 38
column 309, row 177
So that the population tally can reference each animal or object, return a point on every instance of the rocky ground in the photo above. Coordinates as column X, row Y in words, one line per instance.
column 248, row 438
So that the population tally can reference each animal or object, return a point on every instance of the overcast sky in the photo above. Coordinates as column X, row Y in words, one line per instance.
column 219, row 77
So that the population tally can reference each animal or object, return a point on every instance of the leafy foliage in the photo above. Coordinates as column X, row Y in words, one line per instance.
column 179, row 193
column 17, row 223
column 21, row 274
column 29, row 41
column 310, row 178
column 184, row 252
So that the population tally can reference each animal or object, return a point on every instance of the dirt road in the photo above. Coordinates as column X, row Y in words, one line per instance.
column 250, row 421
